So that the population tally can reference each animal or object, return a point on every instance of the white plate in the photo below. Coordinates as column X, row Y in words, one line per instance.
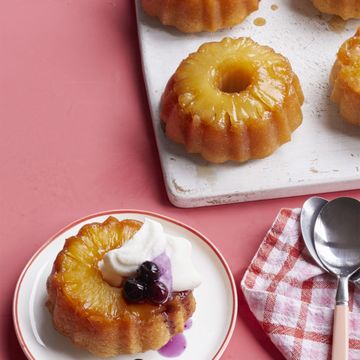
column 324, row 154
column 216, row 298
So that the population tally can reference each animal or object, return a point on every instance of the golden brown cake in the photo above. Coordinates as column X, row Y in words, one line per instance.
column 345, row 80
column 94, row 314
column 232, row 100
column 200, row 15
column 345, row 8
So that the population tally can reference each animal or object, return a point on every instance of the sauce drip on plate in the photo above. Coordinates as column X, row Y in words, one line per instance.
column 177, row 344
column 175, row 347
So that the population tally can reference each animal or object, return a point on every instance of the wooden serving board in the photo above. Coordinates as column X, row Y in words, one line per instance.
column 324, row 154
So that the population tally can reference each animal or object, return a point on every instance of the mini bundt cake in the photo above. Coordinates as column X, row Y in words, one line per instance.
column 347, row 9
column 345, row 80
column 232, row 100
column 95, row 315
column 200, row 15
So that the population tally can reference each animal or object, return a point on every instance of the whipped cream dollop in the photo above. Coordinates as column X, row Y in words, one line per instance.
column 151, row 243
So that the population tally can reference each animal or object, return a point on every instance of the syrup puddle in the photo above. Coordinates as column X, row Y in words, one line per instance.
column 259, row 21
column 177, row 344
column 274, row 7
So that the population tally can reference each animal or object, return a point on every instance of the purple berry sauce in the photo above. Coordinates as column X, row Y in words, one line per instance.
column 188, row 324
column 177, row 344
column 163, row 262
column 174, row 347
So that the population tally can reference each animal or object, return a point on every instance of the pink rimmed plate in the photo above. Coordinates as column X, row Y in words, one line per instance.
column 213, row 321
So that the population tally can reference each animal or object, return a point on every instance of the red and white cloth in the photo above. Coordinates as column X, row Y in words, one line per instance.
column 292, row 298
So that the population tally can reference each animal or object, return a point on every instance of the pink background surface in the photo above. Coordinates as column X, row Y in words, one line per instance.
column 76, row 138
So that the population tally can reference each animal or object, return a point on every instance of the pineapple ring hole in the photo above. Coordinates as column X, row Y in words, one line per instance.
column 233, row 79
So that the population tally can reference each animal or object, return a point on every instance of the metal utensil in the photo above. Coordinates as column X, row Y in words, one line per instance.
column 309, row 213
column 337, row 243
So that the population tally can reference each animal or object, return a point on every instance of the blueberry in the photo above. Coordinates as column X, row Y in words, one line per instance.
column 134, row 290
column 148, row 271
column 157, row 292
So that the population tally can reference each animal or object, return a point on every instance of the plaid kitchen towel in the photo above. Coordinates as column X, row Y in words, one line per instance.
column 292, row 298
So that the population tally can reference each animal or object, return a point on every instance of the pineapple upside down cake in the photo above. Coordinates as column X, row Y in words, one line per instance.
column 200, row 15
column 232, row 100
column 346, row 9
column 345, row 80
column 122, row 287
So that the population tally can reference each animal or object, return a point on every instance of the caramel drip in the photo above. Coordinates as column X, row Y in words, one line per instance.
column 259, row 21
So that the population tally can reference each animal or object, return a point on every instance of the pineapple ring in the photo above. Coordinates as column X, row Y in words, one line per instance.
column 199, row 15
column 344, row 79
column 94, row 314
column 232, row 100
column 346, row 9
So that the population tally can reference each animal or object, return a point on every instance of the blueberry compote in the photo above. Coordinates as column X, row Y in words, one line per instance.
column 146, row 286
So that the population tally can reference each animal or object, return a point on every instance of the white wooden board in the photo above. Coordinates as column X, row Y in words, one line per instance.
column 324, row 154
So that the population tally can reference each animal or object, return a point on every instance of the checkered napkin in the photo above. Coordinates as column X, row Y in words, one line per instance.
column 292, row 298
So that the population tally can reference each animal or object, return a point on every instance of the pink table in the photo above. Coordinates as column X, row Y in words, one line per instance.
column 76, row 138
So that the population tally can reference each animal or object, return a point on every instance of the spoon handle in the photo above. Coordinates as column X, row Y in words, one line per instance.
column 340, row 345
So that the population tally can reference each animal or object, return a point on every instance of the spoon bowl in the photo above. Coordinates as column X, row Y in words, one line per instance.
column 308, row 216
column 337, row 236
column 337, row 243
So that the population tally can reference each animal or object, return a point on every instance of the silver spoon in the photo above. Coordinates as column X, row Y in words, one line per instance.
column 337, row 243
column 309, row 213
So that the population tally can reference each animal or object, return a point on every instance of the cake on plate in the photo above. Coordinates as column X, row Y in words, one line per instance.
column 117, row 288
